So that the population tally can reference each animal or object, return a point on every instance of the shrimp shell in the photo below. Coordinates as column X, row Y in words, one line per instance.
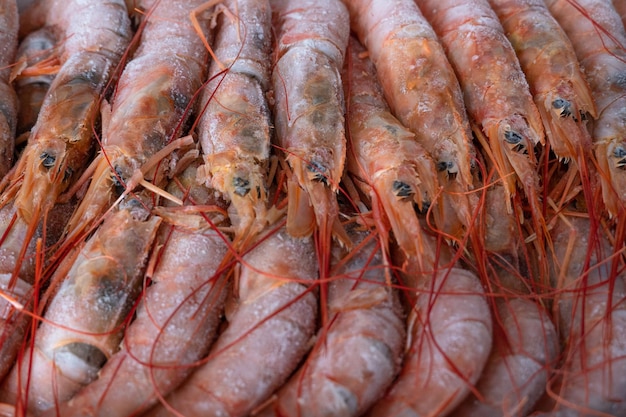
column 396, row 169
column 359, row 354
column 8, row 99
column 234, row 129
column 267, row 335
column 421, row 89
column 309, row 105
column 599, row 38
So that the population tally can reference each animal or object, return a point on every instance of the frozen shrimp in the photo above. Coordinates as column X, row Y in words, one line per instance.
column 312, row 37
column 175, row 322
column 234, row 129
column 268, row 333
column 8, row 102
column 591, row 310
column 421, row 89
column 599, row 39
column 496, row 92
column 447, row 349
column 33, row 74
column 524, row 351
column 357, row 356
column 150, row 106
column 82, row 323
column 385, row 158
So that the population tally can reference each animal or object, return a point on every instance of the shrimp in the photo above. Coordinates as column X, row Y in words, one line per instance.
column 309, row 106
column 599, row 39
column 82, row 322
column 32, row 76
column 234, row 129
column 439, row 369
column 394, row 168
column 591, row 311
column 267, row 335
column 496, row 93
column 421, row 89
column 174, row 325
column 359, row 354
column 516, row 374
column 150, row 105
column 8, row 103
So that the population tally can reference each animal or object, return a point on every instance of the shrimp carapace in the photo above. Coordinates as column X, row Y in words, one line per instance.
column 423, row 93
column 312, row 37
column 393, row 167
column 358, row 355
column 268, row 333
column 599, row 39
column 152, row 101
column 9, row 23
column 234, row 129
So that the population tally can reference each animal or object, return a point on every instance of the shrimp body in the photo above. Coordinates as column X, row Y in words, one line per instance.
column 359, row 354
column 396, row 169
column 152, row 96
column 603, row 59
column 309, row 106
column 592, row 322
column 8, row 100
column 174, row 326
column 420, row 87
column 556, row 81
column 82, row 327
column 439, row 368
column 234, row 129
column 267, row 336
column 61, row 139
column 516, row 374
column 496, row 93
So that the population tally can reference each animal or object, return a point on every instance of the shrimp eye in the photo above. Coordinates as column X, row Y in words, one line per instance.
column 442, row 166
column 318, row 170
column 242, row 186
column 564, row 105
column 620, row 153
column 118, row 187
column 402, row 189
column 515, row 139
column 47, row 160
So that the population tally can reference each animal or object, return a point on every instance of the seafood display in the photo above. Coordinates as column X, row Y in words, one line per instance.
column 312, row 208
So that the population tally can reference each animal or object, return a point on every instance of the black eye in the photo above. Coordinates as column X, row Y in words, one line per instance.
column 242, row 186
column 402, row 189
column 47, row 160
column 512, row 137
column 619, row 152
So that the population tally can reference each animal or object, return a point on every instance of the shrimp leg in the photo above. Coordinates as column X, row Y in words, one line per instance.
column 234, row 129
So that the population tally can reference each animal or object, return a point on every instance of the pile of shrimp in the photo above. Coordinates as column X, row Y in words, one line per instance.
column 312, row 208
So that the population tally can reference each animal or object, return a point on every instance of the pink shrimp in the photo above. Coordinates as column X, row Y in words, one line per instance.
column 8, row 104
column 421, row 89
column 447, row 349
column 268, row 333
column 174, row 325
column 309, row 106
column 591, row 310
column 359, row 353
column 150, row 105
column 496, row 93
column 235, row 128
column 385, row 158
column 82, row 322
column 599, row 39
